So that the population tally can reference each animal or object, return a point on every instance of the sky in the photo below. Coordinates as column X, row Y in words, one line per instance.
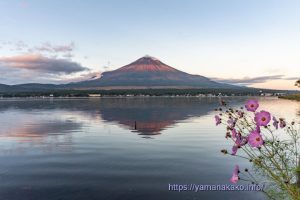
column 253, row 43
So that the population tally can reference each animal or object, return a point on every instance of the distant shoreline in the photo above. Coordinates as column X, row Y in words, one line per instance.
column 295, row 97
column 170, row 92
column 128, row 97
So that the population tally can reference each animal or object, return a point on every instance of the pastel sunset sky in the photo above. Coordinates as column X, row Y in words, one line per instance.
column 254, row 43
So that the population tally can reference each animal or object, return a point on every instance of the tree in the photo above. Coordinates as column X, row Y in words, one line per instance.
column 297, row 83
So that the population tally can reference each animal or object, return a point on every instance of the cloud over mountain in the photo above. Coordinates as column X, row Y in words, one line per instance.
column 83, row 77
column 65, row 50
column 40, row 63
column 252, row 80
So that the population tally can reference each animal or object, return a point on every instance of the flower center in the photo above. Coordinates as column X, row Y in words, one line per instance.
column 251, row 105
column 263, row 119
column 258, row 139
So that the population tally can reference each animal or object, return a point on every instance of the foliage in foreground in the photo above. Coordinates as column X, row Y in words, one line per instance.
column 270, row 144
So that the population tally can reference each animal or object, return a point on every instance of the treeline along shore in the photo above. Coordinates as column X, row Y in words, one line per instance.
column 147, row 92
column 292, row 97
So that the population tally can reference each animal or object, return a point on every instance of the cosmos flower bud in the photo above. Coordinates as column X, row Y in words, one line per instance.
column 218, row 120
column 222, row 103
column 235, row 177
column 224, row 151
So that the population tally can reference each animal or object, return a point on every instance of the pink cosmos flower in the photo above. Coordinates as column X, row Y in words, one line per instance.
column 239, row 142
column 231, row 123
column 282, row 123
column 234, row 150
column 218, row 120
column 251, row 105
column 235, row 175
column 255, row 139
column 240, row 114
column 262, row 118
column 234, row 133
column 275, row 122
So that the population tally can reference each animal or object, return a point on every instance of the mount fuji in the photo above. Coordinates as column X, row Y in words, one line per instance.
column 149, row 72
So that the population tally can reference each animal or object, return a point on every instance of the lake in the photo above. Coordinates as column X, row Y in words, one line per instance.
column 118, row 148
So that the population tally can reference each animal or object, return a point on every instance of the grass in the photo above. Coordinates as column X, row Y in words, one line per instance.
column 292, row 97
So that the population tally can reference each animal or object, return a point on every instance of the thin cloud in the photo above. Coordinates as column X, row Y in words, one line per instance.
column 51, row 48
column 68, row 55
column 251, row 80
column 14, row 46
column 20, row 45
column 83, row 77
column 36, row 62
column 44, row 48
column 292, row 78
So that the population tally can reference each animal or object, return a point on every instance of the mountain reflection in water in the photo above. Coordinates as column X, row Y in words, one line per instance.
column 149, row 116
column 146, row 116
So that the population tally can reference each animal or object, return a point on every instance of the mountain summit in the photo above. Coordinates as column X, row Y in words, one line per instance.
column 149, row 72
column 146, row 63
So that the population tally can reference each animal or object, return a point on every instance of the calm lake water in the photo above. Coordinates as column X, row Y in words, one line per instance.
column 89, row 149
